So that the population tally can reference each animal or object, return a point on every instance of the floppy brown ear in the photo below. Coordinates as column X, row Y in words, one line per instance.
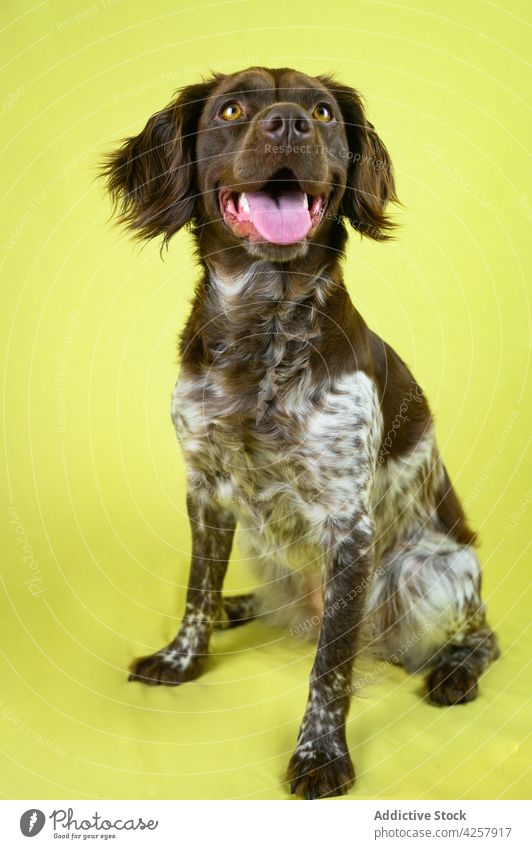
column 151, row 177
column 371, row 186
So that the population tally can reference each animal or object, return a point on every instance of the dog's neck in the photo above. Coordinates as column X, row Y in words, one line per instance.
column 267, row 315
column 273, row 326
column 253, row 315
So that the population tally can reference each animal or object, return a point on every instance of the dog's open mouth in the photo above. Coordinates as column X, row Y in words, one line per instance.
column 281, row 212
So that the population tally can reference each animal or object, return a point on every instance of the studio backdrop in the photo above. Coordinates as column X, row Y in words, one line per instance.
column 96, row 542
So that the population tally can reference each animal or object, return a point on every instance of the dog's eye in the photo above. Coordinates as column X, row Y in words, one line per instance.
column 322, row 113
column 231, row 111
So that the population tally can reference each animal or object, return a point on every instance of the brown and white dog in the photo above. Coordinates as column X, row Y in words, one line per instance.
column 295, row 419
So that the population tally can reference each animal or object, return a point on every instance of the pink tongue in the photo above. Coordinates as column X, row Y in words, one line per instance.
column 281, row 220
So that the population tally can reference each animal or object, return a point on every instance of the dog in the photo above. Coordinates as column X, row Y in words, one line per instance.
column 295, row 419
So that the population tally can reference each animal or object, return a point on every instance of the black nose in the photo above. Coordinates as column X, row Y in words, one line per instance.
column 286, row 123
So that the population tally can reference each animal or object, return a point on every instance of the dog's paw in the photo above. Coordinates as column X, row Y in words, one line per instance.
column 237, row 610
column 451, row 685
column 318, row 774
column 166, row 667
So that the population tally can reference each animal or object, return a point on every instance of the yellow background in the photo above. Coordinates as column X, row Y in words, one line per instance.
column 94, row 490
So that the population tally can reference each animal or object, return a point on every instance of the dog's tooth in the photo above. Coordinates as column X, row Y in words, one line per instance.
column 305, row 201
column 243, row 202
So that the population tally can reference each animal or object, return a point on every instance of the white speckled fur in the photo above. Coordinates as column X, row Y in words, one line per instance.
column 312, row 460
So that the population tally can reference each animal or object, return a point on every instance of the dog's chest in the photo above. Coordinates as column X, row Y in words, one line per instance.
column 285, row 458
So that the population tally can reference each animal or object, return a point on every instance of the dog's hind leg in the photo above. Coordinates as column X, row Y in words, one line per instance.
column 427, row 613
column 237, row 610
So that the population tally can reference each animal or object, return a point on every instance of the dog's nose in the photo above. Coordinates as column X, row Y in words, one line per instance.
column 286, row 124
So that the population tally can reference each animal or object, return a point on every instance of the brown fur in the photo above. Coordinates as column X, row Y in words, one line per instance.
column 272, row 348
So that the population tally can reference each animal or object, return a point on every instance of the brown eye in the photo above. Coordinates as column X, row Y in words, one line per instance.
column 231, row 111
column 322, row 113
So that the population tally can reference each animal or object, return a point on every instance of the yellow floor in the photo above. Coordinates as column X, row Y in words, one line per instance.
column 95, row 543
column 74, row 727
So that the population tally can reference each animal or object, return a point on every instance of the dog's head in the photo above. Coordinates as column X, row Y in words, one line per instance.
column 263, row 160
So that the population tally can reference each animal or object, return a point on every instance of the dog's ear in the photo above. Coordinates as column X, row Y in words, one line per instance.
column 370, row 184
column 151, row 177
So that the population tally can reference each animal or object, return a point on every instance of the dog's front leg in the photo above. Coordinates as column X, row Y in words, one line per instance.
column 184, row 658
column 321, row 765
